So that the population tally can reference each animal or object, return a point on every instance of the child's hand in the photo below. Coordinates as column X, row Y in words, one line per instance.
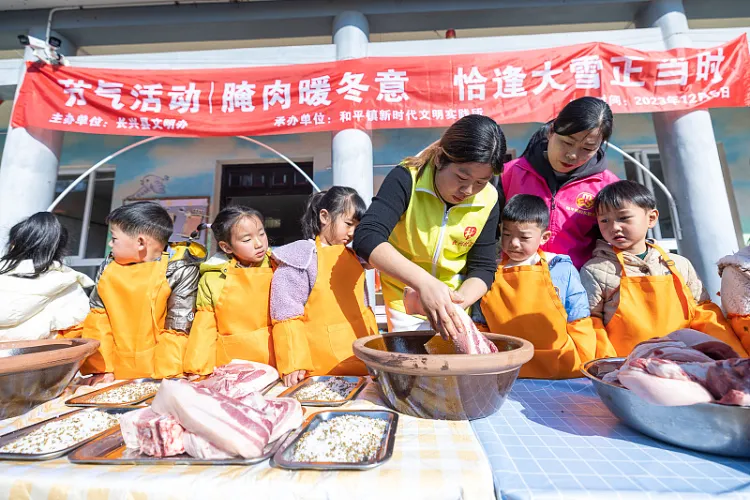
column 99, row 378
column 294, row 378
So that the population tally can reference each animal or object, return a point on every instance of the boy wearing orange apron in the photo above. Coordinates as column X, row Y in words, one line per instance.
column 144, row 300
column 232, row 319
column 318, row 304
column 538, row 296
column 637, row 290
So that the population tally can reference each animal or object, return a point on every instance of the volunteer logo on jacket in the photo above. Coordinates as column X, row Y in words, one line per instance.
column 436, row 237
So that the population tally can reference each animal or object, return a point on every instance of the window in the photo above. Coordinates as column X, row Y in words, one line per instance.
column 650, row 158
column 276, row 189
column 83, row 212
column 664, row 230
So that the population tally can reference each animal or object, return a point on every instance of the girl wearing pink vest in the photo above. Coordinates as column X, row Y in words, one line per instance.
column 564, row 164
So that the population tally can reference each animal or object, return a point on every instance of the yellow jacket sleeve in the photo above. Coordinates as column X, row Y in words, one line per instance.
column 291, row 347
column 604, row 348
column 96, row 326
column 709, row 319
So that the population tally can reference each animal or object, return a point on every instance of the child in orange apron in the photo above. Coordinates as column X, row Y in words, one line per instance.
column 636, row 289
column 538, row 295
column 144, row 300
column 735, row 292
column 318, row 304
column 232, row 319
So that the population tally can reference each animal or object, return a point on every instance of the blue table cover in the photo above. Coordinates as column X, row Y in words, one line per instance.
column 556, row 439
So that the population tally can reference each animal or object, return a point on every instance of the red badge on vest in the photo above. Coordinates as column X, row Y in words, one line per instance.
column 585, row 201
column 469, row 232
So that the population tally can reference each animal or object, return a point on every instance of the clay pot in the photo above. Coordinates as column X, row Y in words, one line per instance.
column 434, row 382
column 35, row 371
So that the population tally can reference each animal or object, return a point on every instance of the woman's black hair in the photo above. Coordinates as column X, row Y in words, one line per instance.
column 40, row 238
column 527, row 208
column 228, row 217
column 584, row 113
column 472, row 139
column 143, row 217
column 617, row 195
column 337, row 201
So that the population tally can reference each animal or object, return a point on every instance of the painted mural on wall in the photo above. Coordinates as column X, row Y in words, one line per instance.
column 150, row 185
column 186, row 214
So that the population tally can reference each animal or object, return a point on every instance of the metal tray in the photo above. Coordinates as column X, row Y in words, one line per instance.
column 12, row 436
column 705, row 427
column 283, row 457
column 109, row 449
column 85, row 400
column 360, row 381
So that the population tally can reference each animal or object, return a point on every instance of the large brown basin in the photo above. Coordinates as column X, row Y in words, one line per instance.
column 33, row 372
column 441, row 384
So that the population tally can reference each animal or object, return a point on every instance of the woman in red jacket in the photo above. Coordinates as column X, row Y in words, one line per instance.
column 565, row 164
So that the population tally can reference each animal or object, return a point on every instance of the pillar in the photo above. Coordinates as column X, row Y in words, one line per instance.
column 690, row 159
column 351, row 149
column 31, row 157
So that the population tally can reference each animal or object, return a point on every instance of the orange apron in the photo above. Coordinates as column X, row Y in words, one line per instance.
column 335, row 316
column 243, row 317
column 654, row 306
column 135, row 297
column 522, row 302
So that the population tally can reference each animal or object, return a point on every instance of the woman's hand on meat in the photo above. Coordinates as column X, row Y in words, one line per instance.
column 438, row 304
column 294, row 378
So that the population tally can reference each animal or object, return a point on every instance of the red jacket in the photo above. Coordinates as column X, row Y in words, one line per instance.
column 572, row 218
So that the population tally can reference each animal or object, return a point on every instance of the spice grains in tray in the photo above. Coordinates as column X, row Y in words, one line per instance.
column 341, row 440
column 58, row 436
column 126, row 393
column 326, row 390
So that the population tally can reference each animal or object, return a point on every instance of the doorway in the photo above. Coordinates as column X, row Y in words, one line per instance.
column 277, row 190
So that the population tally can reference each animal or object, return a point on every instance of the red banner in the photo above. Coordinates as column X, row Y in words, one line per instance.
column 372, row 93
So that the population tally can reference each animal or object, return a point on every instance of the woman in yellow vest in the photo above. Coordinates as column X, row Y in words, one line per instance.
column 318, row 305
column 232, row 319
column 432, row 227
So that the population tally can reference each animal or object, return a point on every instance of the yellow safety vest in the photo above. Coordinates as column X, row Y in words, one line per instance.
column 435, row 237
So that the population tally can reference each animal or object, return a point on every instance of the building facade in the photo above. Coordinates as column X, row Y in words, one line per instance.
column 703, row 150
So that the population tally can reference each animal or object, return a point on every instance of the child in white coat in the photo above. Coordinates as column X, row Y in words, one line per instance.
column 40, row 297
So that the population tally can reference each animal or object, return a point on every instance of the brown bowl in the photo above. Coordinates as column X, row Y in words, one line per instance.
column 35, row 371
column 441, row 384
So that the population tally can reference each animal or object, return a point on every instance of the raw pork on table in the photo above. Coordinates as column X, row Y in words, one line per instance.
column 221, row 417
column 153, row 434
column 240, row 378
column 686, row 367
column 473, row 341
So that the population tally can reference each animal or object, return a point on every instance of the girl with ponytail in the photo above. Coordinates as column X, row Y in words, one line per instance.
column 318, row 306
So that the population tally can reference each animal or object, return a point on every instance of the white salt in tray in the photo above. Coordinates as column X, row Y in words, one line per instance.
column 58, row 436
column 128, row 393
column 326, row 390
column 110, row 449
column 340, row 440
